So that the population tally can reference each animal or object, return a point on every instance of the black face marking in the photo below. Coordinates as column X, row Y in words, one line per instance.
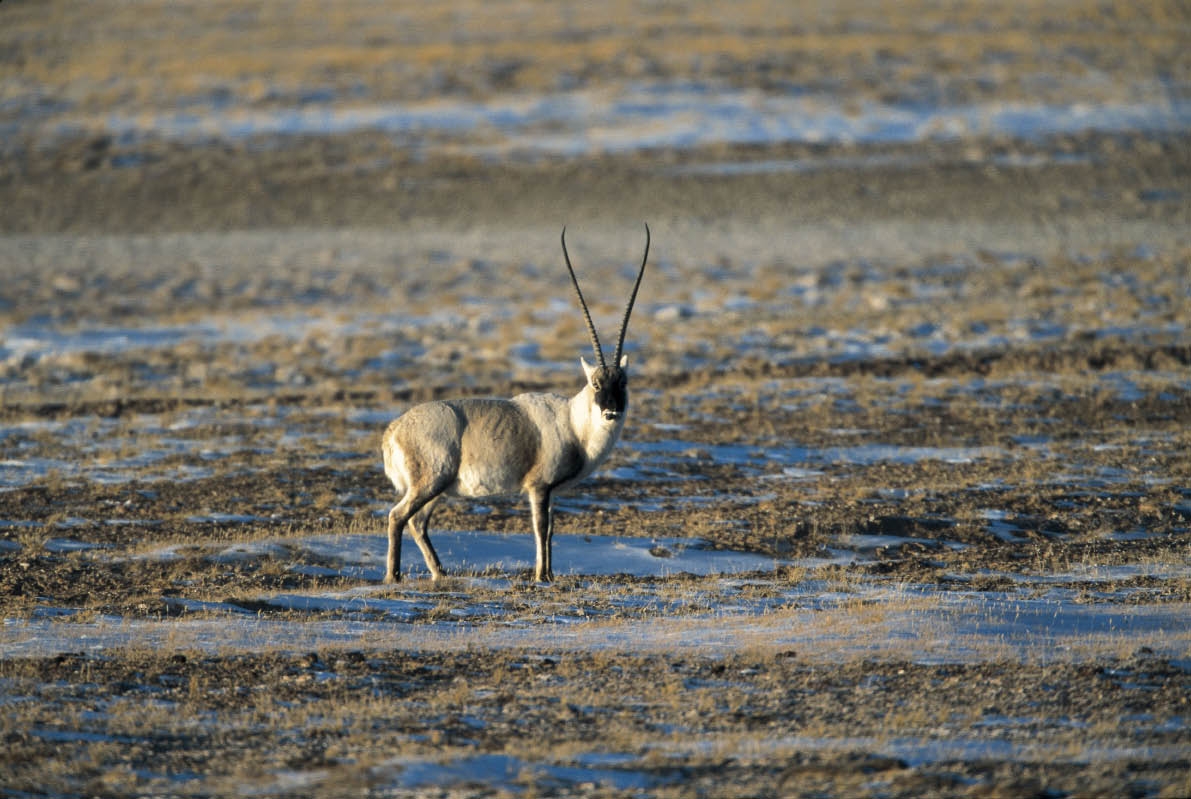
column 610, row 384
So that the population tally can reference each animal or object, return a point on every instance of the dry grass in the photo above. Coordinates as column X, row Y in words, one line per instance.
column 395, row 49
column 360, row 715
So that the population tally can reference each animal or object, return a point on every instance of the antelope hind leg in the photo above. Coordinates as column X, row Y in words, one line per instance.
column 397, row 519
column 543, row 532
column 419, row 527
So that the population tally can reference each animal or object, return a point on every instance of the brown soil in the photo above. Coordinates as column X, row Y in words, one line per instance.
column 678, row 720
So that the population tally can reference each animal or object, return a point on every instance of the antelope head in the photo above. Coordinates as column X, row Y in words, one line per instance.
column 608, row 384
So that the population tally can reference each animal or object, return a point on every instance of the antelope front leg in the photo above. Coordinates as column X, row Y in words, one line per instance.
column 543, row 530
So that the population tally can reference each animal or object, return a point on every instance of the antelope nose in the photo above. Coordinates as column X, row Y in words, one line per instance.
column 611, row 415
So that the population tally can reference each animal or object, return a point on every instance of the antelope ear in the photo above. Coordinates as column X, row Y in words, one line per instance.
column 624, row 361
column 587, row 368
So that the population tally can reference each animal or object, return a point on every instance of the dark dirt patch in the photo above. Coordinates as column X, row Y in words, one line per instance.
column 354, row 717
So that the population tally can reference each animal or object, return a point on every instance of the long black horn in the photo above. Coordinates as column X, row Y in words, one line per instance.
column 624, row 323
column 595, row 340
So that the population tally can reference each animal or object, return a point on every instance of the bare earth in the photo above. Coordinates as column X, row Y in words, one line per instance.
column 940, row 381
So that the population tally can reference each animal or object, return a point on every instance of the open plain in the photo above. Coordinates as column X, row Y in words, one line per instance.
column 903, row 500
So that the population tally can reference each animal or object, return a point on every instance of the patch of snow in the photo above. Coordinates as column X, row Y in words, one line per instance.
column 574, row 554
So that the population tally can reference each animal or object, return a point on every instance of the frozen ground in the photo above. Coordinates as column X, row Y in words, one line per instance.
column 1038, row 620
column 638, row 117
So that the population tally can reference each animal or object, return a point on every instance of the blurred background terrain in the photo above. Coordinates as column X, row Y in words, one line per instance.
column 155, row 116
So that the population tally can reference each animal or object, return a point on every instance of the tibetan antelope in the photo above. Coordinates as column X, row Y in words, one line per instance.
column 531, row 444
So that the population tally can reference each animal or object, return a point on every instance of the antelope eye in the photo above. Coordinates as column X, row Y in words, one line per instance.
column 596, row 385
